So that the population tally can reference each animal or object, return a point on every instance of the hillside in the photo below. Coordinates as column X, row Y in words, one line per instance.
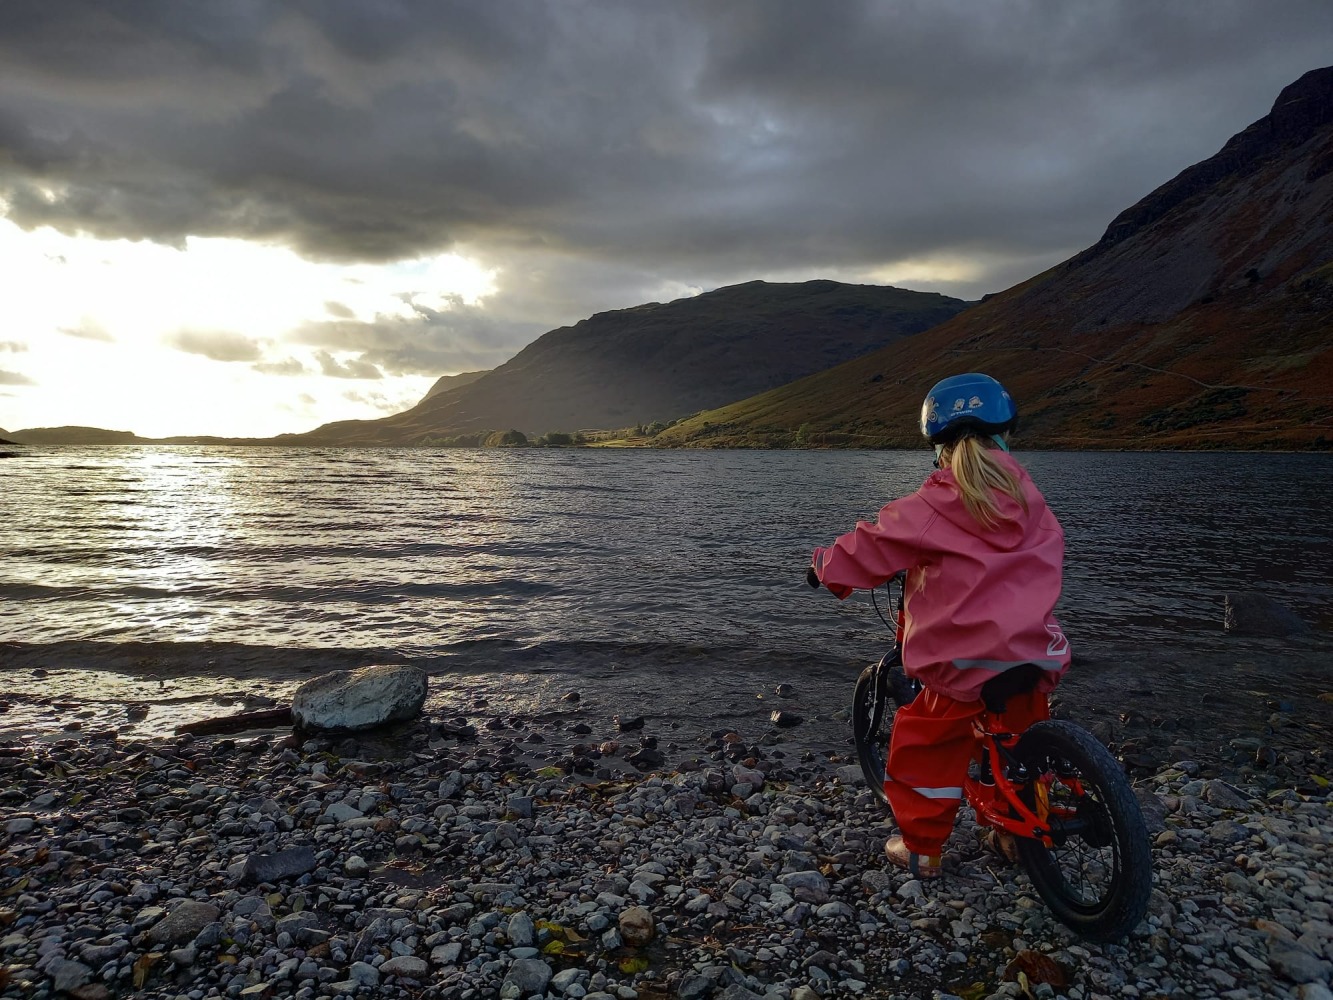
column 659, row 362
column 72, row 435
column 1201, row 319
column 446, row 382
column 82, row 436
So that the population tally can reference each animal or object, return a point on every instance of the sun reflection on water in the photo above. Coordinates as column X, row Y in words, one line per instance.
column 423, row 549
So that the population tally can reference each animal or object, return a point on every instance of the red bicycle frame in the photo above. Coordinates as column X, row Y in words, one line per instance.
column 998, row 804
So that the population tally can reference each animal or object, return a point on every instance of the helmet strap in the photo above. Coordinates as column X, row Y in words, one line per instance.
column 999, row 439
column 939, row 449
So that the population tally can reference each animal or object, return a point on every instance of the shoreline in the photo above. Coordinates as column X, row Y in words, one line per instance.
column 1125, row 446
column 517, row 800
column 453, row 855
column 1148, row 705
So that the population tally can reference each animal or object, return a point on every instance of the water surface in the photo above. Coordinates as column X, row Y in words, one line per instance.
column 423, row 549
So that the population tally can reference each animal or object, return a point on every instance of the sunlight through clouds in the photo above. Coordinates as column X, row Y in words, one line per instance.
column 196, row 340
column 957, row 274
column 919, row 272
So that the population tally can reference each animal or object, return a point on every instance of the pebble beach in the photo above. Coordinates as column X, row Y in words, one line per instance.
column 540, row 858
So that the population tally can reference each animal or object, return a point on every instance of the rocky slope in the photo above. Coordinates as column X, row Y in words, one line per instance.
column 659, row 362
column 1200, row 319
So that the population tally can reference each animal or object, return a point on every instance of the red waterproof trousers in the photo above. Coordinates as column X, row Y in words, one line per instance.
column 933, row 741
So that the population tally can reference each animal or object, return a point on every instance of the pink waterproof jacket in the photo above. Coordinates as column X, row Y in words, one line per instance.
column 978, row 599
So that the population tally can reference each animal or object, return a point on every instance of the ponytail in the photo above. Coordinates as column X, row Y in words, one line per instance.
column 980, row 477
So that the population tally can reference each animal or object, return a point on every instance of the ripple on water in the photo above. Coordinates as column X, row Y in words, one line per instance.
column 431, row 547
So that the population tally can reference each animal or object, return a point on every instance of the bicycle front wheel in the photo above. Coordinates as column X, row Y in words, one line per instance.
column 1097, row 876
column 872, row 725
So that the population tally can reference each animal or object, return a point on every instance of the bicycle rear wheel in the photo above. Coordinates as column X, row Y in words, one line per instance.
column 1097, row 876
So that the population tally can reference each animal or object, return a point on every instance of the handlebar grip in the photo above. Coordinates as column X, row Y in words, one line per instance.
column 811, row 577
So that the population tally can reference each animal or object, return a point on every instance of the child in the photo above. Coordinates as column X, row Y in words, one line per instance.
column 984, row 557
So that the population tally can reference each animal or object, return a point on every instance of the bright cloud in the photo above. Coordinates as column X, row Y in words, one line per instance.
column 171, row 341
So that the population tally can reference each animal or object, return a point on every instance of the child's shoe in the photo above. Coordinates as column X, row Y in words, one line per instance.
column 920, row 865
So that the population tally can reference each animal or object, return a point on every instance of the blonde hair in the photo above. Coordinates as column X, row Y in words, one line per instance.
column 980, row 477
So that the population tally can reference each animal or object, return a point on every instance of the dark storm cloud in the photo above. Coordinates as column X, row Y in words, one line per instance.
column 634, row 148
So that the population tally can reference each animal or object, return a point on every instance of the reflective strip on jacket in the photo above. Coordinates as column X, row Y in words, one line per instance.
column 978, row 599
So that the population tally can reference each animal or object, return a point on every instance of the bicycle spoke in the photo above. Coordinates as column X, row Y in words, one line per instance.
column 1088, row 870
column 1096, row 873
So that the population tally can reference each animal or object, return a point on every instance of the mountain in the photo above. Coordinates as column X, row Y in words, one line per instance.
column 73, row 435
column 659, row 362
column 76, row 435
column 1201, row 319
column 446, row 382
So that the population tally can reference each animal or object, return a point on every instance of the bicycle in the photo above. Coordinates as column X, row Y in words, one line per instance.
column 1078, row 829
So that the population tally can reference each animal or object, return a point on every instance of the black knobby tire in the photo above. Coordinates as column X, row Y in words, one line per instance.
column 1096, row 879
column 873, row 706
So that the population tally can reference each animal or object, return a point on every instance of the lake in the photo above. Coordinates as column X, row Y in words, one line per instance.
column 422, row 550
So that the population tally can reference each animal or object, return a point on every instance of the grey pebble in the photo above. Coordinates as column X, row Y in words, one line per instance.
column 459, row 874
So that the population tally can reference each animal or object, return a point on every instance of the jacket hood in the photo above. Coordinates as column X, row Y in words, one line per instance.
column 1013, row 525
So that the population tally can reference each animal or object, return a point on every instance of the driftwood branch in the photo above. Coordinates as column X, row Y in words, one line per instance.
column 238, row 723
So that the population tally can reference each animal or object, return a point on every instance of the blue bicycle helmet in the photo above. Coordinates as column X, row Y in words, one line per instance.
column 963, row 403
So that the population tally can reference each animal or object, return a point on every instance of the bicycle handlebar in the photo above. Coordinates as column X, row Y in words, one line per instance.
column 812, row 578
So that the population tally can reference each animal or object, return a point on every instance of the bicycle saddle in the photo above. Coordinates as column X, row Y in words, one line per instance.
column 997, row 691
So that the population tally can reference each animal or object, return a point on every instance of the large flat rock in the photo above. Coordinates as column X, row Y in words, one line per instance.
column 360, row 699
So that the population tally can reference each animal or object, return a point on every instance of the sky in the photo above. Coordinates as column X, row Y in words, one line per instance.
column 252, row 217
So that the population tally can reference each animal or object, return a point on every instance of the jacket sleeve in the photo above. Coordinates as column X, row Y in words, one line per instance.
column 870, row 554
